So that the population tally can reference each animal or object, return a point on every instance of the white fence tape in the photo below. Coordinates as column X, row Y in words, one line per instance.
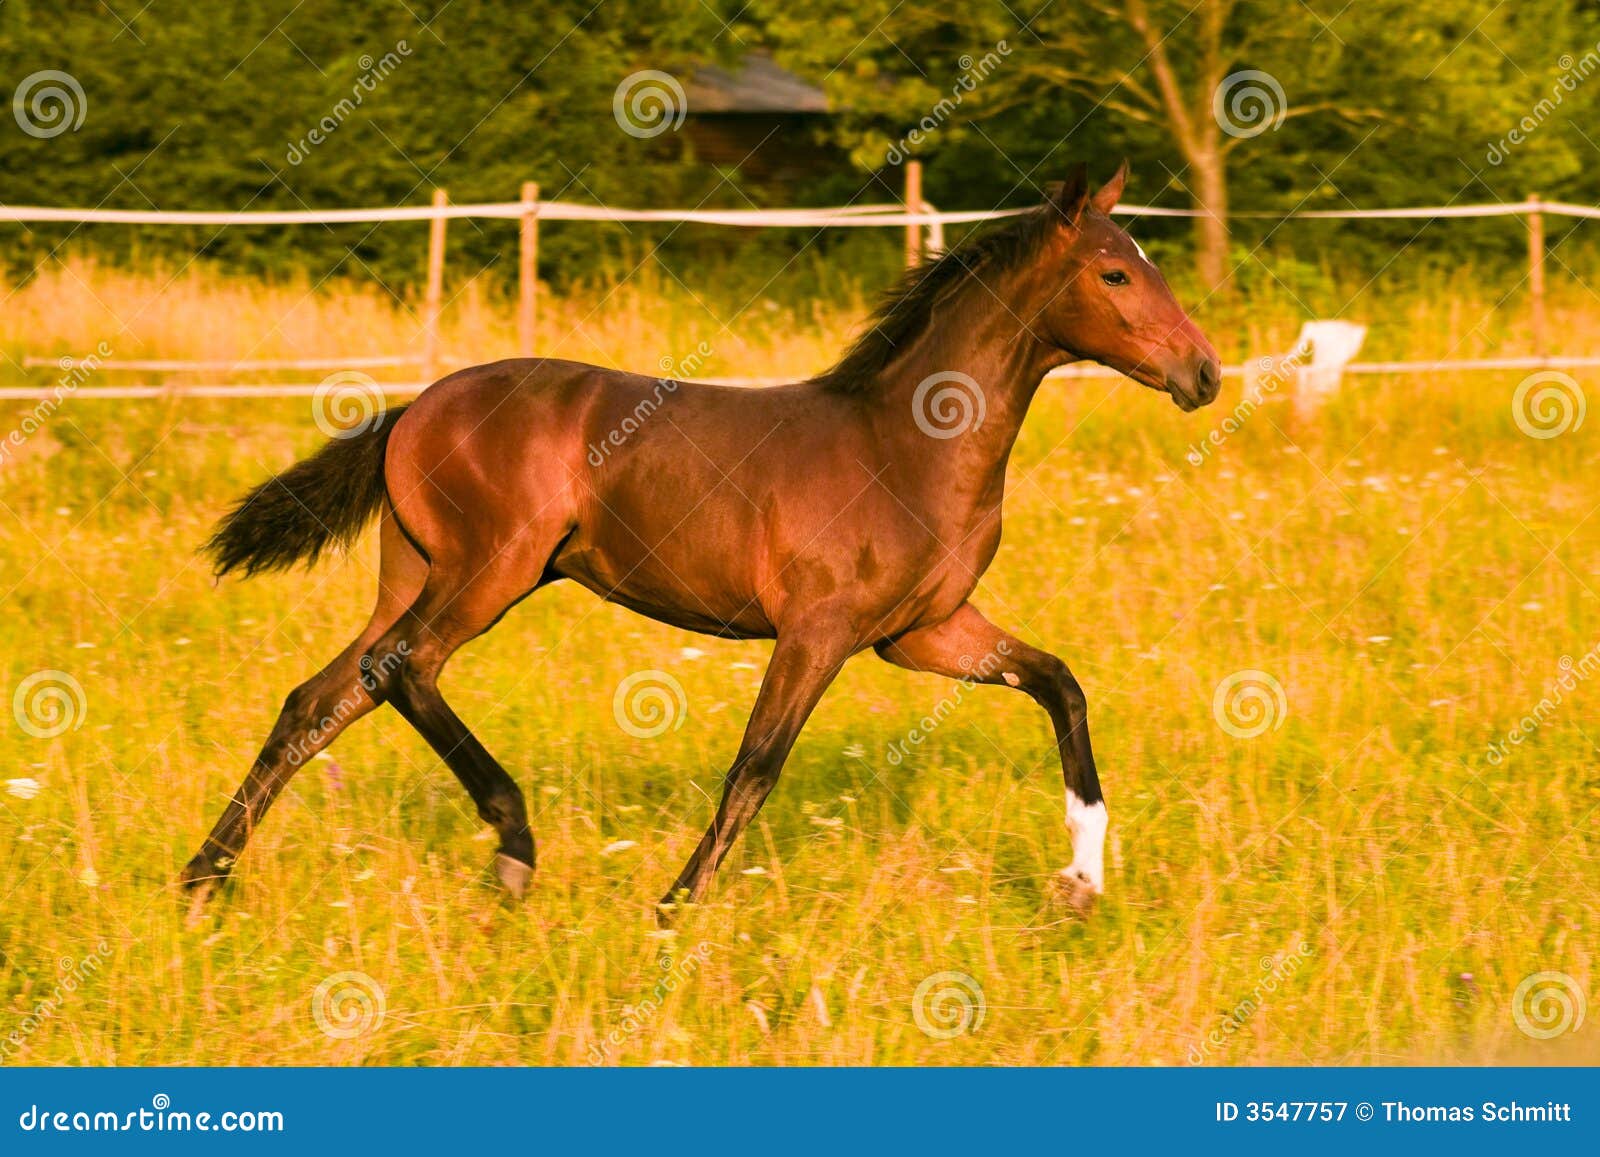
column 172, row 366
column 405, row 389
column 862, row 216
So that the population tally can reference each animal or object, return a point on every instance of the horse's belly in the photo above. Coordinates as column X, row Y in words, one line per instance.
column 685, row 596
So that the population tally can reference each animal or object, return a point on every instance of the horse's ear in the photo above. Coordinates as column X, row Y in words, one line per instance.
column 1110, row 193
column 1072, row 195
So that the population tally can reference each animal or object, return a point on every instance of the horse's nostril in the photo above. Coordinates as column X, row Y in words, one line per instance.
column 1209, row 377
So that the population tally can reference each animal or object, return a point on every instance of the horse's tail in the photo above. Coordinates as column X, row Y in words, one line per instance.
column 324, row 499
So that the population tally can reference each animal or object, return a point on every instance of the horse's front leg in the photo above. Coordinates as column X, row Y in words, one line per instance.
column 968, row 646
column 805, row 659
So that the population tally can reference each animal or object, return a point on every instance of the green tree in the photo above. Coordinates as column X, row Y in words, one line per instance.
column 1319, row 104
column 239, row 105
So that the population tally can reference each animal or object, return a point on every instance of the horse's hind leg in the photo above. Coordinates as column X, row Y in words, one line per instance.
column 313, row 715
column 456, row 606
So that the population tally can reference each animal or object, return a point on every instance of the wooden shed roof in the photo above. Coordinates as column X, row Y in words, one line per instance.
column 754, row 85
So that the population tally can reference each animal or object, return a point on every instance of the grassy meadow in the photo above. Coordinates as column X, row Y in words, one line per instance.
column 1394, row 581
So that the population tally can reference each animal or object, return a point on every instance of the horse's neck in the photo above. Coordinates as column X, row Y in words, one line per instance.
column 955, row 400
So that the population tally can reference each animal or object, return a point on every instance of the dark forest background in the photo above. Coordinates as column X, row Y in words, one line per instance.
column 1385, row 103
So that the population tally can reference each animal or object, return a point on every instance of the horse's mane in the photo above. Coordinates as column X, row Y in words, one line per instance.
column 907, row 308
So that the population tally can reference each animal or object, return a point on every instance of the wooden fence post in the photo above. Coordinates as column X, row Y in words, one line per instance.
column 1536, row 274
column 913, row 205
column 528, row 270
column 433, row 304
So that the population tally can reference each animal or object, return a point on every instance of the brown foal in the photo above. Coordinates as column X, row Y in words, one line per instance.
column 857, row 509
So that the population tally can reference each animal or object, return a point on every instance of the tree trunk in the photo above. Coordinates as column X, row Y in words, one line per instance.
column 1194, row 126
column 1211, row 229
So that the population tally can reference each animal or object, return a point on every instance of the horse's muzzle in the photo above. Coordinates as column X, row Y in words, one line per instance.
column 1195, row 384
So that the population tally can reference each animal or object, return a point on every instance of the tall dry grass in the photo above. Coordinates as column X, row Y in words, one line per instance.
column 649, row 322
column 647, row 317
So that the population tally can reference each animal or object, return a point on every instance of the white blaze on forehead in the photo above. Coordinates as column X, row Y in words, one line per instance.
column 1139, row 248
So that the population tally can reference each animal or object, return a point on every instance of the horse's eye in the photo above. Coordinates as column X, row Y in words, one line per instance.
column 1114, row 277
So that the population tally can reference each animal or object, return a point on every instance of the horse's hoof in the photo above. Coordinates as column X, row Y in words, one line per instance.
column 198, row 883
column 513, row 873
column 1074, row 890
column 672, row 906
column 200, row 874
